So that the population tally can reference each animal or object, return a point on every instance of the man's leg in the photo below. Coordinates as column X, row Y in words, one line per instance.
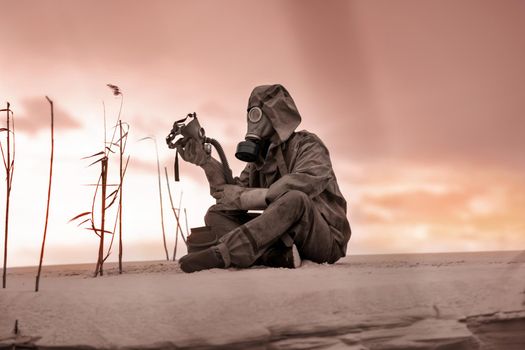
column 293, row 213
column 218, row 223
column 223, row 221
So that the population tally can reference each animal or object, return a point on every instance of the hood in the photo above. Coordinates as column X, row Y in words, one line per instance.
column 277, row 104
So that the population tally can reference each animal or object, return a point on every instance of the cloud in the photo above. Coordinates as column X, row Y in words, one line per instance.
column 35, row 116
column 399, row 212
column 398, row 86
column 376, row 85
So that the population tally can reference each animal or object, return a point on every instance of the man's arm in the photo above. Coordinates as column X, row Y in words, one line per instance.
column 238, row 196
column 310, row 173
column 215, row 174
column 232, row 196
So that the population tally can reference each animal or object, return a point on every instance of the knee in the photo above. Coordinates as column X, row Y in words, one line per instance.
column 296, row 198
column 211, row 216
column 295, row 201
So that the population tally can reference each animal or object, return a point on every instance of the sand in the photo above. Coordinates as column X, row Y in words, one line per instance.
column 420, row 301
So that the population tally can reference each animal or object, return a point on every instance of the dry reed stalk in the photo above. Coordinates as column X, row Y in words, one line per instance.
column 116, row 92
column 180, row 202
column 8, row 190
column 113, row 197
column 160, row 194
column 48, row 195
column 176, row 216
column 121, row 153
column 107, row 150
column 161, row 206
column 122, row 142
column 102, row 183
column 104, row 174
column 9, row 169
column 187, row 228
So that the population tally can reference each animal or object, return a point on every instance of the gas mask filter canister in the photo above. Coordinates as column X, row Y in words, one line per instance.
column 248, row 150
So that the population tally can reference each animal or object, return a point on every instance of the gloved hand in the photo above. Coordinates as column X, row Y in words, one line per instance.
column 229, row 196
column 237, row 197
column 192, row 151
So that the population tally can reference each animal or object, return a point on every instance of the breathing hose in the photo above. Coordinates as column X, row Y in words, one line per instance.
column 225, row 165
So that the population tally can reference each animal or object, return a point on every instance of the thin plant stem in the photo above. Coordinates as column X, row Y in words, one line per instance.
column 121, row 152
column 48, row 195
column 94, row 201
column 176, row 216
column 118, row 119
column 100, row 261
column 178, row 212
column 174, row 258
column 103, row 185
column 161, row 206
column 116, row 216
column 180, row 203
column 118, row 191
column 160, row 194
column 9, row 174
column 187, row 228
column 103, row 178
column 105, row 132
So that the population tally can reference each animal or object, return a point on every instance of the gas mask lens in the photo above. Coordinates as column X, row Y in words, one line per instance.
column 254, row 114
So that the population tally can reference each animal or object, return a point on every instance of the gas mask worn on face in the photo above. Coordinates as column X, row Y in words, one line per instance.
column 259, row 130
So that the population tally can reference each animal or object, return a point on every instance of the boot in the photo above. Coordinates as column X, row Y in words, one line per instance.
column 280, row 255
column 209, row 258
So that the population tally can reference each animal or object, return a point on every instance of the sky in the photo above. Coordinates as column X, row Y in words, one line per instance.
column 421, row 104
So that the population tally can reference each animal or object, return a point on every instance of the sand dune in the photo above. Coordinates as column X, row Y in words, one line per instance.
column 420, row 301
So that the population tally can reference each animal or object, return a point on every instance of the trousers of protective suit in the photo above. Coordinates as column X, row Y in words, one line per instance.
column 245, row 237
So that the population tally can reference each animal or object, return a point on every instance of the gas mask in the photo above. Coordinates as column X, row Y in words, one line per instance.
column 257, row 137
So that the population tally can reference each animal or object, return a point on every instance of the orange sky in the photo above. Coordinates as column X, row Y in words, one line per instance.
column 420, row 103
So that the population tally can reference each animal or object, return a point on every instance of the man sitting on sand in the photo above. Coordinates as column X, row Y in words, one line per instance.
column 289, row 176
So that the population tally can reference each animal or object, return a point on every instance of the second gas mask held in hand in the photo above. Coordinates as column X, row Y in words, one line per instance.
column 256, row 141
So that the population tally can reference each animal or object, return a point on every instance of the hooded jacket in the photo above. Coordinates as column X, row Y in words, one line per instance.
column 294, row 161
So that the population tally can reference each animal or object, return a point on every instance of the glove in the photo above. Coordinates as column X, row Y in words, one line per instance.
column 192, row 151
column 229, row 196
column 237, row 197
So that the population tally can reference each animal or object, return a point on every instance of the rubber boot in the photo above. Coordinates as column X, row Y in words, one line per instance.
column 206, row 259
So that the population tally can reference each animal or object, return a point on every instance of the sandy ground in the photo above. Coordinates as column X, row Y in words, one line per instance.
column 421, row 301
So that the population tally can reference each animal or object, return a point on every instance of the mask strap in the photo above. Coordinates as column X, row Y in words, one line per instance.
column 186, row 117
column 176, row 166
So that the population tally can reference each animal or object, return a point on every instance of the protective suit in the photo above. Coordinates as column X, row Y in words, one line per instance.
column 290, row 178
